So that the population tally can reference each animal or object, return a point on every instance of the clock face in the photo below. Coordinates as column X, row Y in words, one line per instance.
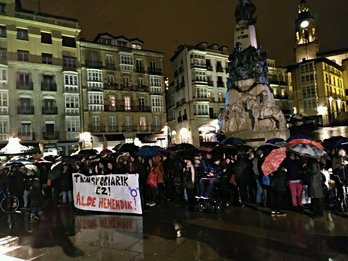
column 304, row 24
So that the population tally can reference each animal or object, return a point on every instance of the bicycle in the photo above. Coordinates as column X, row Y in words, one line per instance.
column 8, row 203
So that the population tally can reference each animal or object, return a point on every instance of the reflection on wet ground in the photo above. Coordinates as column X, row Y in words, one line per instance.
column 172, row 233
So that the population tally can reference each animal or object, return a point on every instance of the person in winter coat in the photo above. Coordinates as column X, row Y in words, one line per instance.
column 242, row 170
column 66, row 184
column 158, row 168
column 189, row 181
column 36, row 200
column 293, row 168
column 315, row 186
column 278, row 187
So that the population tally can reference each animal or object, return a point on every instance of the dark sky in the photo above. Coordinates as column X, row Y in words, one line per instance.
column 165, row 24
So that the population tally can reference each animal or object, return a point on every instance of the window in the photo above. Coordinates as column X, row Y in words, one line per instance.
column 128, row 122
column 48, row 82
column 3, row 75
column 46, row 38
column 70, row 79
column 22, row 34
column 95, row 101
column 152, row 66
column 141, row 103
column 139, row 66
column 3, row 102
column 200, row 76
column 142, row 123
column 24, row 81
column 22, row 55
column 69, row 41
column 127, row 103
column 157, row 103
column 156, row 81
column 4, row 128
column 95, row 123
column 112, row 101
column 69, row 62
column 141, row 81
column 2, row 8
column 3, row 31
column 3, row 54
column 126, row 62
column 125, row 80
column 72, row 101
column 46, row 58
column 25, row 129
column 112, row 123
column 94, row 75
column 109, row 61
column 157, row 123
column 72, row 125
column 202, row 109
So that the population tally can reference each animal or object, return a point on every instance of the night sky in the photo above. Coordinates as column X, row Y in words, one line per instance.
column 165, row 24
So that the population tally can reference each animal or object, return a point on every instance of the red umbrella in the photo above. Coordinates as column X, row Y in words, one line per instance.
column 105, row 152
column 273, row 161
column 304, row 141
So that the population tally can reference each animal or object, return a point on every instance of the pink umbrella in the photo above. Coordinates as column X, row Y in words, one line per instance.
column 273, row 161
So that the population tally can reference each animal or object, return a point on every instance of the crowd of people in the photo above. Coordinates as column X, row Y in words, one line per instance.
column 303, row 184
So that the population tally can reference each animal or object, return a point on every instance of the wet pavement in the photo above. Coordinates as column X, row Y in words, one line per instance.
column 235, row 234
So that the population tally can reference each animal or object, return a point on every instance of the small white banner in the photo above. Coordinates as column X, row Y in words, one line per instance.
column 109, row 193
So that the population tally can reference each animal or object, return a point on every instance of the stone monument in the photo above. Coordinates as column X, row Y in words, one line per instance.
column 250, row 110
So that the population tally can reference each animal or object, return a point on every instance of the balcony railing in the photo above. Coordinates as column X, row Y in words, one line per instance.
column 50, row 135
column 110, row 66
column 24, row 85
column 70, row 89
column 157, row 71
column 127, row 128
column 113, row 128
column 50, row 110
column 97, row 128
column 94, row 64
column 140, row 69
column 25, row 109
column 51, row 87
column 122, row 108
column 26, row 135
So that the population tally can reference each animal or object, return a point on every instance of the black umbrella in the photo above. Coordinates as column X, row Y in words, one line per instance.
column 185, row 154
column 184, row 146
column 126, row 147
column 148, row 152
column 86, row 153
column 56, row 170
column 232, row 141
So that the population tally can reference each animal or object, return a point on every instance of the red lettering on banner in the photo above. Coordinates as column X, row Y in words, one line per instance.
column 114, row 204
column 82, row 201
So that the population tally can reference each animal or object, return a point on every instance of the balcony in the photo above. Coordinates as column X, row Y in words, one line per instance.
column 71, row 89
column 111, row 86
column 94, row 64
column 140, row 108
column 68, row 66
column 72, row 111
column 198, row 65
column 52, row 135
column 50, row 87
column 140, row 69
column 143, row 128
column 25, row 109
column 97, row 128
column 122, row 108
column 156, row 71
column 52, row 110
column 113, row 128
column 27, row 136
column 142, row 88
column 128, row 128
column 110, row 66
column 201, row 98
column 24, row 85
column 199, row 81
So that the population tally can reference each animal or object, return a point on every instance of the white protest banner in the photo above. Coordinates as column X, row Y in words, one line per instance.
column 108, row 193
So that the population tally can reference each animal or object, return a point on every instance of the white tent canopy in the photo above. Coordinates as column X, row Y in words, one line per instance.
column 14, row 147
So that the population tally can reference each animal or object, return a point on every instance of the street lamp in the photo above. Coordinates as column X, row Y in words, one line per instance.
column 330, row 109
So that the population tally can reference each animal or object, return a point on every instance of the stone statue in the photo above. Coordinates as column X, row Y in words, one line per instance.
column 245, row 12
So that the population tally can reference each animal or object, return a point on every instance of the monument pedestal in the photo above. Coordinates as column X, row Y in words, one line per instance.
column 245, row 34
column 258, row 138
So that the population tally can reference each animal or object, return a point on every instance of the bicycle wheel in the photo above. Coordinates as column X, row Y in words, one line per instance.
column 9, row 204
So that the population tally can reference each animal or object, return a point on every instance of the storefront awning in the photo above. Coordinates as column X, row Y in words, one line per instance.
column 150, row 138
column 114, row 137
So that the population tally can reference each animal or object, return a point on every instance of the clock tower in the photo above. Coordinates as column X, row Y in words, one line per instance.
column 306, row 38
